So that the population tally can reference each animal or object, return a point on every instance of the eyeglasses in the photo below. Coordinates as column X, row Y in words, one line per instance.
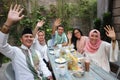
column 76, row 33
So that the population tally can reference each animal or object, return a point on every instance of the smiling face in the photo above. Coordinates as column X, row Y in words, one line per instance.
column 41, row 36
column 60, row 30
column 94, row 38
column 77, row 34
column 27, row 40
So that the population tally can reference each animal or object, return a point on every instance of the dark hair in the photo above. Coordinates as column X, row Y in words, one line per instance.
column 74, row 39
column 60, row 26
column 26, row 31
column 95, row 32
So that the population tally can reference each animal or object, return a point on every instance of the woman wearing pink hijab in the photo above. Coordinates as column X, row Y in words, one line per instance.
column 101, row 52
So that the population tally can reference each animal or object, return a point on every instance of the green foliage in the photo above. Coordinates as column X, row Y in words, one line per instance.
column 38, row 14
column 80, row 9
column 26, row 22
column 3, row 59
column 107, row 20
column 97, row 24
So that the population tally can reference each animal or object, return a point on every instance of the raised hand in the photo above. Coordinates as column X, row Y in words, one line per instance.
column 110, row 32
column 69, row 35
column 57, row 22
column 14, row 14
column 40, row 23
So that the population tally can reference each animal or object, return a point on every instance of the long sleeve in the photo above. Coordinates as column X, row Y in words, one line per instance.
column 45, row 54
column 41, row 48
column 43, row 67
column 104, row 54
column 5, row 48
column 113, row 56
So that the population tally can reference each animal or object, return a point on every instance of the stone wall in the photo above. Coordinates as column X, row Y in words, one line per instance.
column 49, row 2
column 102, row 7
column 46, row 2
column 116, row 18
column 114, row 7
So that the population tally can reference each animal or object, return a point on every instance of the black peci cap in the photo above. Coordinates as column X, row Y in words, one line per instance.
column 26, row 31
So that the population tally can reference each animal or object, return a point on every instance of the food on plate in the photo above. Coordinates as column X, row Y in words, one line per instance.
column 60, row 60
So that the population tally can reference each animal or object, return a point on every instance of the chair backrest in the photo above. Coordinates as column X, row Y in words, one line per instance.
column 49, row 42
column 9, row 72
column 118, row 61
column 119, row 58
column 118, row 64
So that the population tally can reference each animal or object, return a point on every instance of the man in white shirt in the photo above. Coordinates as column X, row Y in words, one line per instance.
column 19, row 56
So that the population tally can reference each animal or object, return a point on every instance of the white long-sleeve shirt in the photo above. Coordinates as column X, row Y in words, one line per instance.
column 22, row 72
column 104, row 54
column 41, row 48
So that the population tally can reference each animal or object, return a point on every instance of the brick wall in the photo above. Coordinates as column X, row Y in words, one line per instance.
column 116, row 18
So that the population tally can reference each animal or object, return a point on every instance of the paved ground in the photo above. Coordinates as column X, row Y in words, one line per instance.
column 2, row 76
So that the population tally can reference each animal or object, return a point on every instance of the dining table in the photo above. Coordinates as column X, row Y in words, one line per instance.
column 95, row 72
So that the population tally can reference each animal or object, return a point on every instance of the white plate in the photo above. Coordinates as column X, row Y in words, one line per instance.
column 81, row 59
column 72, row 50
column 51, row 52
column 60, row 60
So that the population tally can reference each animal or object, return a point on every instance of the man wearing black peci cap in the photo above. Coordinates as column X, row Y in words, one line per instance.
column 26, row 62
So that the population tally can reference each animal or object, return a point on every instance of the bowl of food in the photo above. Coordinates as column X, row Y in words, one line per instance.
column 61, row 65
column 78, row 74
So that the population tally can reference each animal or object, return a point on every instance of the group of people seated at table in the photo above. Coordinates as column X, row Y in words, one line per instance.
column 29, row 59
column 98, row 51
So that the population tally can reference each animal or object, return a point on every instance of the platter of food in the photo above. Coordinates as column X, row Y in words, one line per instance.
column 52, row 52
column 60, row 60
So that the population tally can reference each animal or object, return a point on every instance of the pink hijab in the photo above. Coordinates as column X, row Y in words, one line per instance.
column 93, row 47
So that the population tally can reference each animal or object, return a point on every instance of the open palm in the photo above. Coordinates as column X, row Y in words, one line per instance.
column 57, row 22
column 40, row 23
column 14, row 14
column 110, row 32
column 69, row 35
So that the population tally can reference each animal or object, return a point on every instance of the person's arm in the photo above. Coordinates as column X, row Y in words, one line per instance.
column 111, row 33
column 13, row 16
column 64, row 44
column 55, row 24
column 113, row 55
column 69, row 36
column 65, row 40
column 39, row 24
column 43, row 68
